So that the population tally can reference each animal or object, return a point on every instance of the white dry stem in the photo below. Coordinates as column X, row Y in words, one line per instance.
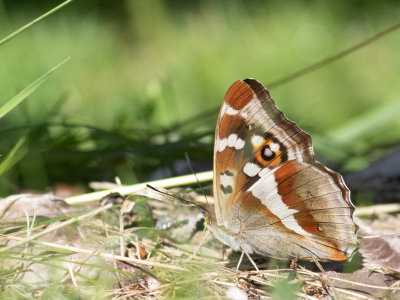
column 118, row 181
column 223, row 283
column 121, row 230
column 28, row 228
column 137, row 247
column 377, row 209
column 29, row 225
column 309, row 273
column 126, row 190
column 71, row 274
column 200, row 245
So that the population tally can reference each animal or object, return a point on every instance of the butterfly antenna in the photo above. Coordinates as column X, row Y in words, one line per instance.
column 173, row 196
column 195, row 176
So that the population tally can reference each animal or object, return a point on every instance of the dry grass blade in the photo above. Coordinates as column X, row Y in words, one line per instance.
column 58, row 226
column 101, row 254
column 126, row 190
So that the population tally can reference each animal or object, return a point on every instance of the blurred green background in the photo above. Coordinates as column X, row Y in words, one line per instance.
column 146, row 78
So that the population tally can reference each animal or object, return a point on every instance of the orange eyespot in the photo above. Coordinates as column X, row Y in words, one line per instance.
column 268, row 157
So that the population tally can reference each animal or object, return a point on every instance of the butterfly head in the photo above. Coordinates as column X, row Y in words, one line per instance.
column 209, row 214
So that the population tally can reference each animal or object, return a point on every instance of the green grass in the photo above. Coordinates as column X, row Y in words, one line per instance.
column 133, row 77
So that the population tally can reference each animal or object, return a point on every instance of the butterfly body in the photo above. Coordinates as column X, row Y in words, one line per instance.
column 271, row 197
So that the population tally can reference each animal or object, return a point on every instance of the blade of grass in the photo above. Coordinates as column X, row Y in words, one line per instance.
column 60, row 225
column 15, row 155
column 48, row 264
column 25, row 27
column 17, row 99
column 38, row 258
column 91, row 252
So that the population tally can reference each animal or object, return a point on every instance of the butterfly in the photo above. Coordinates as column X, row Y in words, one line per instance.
column 271, row 197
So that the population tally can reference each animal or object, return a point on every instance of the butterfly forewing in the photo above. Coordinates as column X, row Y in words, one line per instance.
column 271, row 196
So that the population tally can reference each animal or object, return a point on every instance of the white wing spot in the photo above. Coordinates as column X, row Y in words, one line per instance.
column 226, row 109
column 265, row 172
column 231, row 111
column 251, row 169
column 226, row 180
column 223, row 109
column 274, row 147
column 232, row 141
column 221, row 144
column 235, row 142
column 239, row 144
column 256, row 140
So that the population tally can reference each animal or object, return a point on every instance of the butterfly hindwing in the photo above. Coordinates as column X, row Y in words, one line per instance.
column 268, row 188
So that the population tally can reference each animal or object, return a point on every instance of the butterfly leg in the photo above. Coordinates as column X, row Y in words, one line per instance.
column 240, row 261
column 252, row 261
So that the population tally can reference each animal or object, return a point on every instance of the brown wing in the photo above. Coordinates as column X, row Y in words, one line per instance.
column 270, row 193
